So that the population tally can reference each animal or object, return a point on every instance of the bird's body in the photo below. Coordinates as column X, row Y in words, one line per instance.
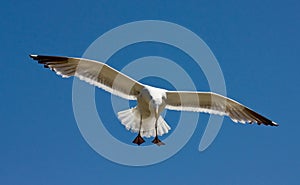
column 145, row 118
column 150, row 104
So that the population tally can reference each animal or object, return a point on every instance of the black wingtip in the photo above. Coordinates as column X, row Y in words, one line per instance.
column 47, row 58
column 33, row 56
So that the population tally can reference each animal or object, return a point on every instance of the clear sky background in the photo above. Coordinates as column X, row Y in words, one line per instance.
column 256, row 44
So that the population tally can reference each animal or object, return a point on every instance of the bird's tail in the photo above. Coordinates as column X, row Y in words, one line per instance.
column 130, row 118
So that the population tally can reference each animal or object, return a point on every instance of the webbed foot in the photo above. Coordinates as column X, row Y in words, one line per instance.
column 157, row 141
column 138, row 140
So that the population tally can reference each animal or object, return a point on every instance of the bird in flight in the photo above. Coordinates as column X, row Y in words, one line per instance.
column 145, row 119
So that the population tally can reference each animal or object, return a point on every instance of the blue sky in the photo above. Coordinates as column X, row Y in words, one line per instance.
column 255, row 42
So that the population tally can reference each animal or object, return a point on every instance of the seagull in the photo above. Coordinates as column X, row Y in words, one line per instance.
column 145, row 119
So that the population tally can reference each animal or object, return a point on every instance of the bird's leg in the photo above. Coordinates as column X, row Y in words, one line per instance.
column 139, row 139
column 157, row 141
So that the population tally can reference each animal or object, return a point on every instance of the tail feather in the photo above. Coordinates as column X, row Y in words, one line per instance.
column 131, row 120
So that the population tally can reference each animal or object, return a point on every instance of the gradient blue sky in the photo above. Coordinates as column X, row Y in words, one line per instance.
column 256, row 44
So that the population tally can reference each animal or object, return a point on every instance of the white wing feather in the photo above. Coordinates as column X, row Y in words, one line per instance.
column 213, row 103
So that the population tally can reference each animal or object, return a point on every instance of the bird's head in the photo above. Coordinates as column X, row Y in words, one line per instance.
column 157, row 104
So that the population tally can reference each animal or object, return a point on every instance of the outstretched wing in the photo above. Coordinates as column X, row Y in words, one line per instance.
column 213, row 103
column 93, row 72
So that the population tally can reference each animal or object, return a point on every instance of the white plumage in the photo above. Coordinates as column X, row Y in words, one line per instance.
column 145, row 118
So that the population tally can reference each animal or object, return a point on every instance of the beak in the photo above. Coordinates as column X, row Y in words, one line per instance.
column 156, row 110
